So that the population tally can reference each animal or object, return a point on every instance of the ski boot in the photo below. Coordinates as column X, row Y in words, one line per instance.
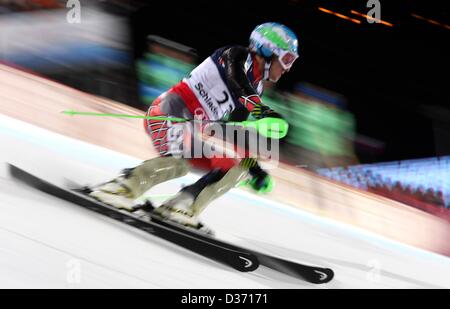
column 122, row 191
column 184, row 209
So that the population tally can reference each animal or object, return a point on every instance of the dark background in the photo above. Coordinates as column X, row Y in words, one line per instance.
column 388, row 74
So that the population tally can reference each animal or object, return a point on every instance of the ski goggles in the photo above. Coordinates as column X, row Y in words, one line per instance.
column 286, row 59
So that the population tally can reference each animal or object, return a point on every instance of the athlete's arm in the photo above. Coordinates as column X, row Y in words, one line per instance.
column 234, row 59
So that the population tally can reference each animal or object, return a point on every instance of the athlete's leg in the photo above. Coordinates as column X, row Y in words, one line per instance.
column 187, row 205
column 121, row 191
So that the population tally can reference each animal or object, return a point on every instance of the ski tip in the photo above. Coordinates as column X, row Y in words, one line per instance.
column 323, row 275
column 247, row 262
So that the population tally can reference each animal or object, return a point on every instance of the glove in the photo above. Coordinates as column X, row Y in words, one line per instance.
column 276, row 127
column 261, row 182
column 260, row 111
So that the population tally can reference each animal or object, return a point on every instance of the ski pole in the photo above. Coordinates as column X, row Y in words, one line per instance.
column 275, row 128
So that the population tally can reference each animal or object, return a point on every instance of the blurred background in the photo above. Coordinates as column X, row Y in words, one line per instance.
column 368, row 103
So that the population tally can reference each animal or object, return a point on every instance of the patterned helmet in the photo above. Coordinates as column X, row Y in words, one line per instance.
column 270, row 39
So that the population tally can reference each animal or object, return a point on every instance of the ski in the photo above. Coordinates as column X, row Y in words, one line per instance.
column 214, row 250
column 312, row 274
column 238, row 258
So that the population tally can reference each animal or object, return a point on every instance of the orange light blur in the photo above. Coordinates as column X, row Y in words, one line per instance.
column 371, row 18
column 431, row 21
column 356, row 21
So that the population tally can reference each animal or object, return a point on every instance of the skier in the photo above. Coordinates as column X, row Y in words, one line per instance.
column 227, row 85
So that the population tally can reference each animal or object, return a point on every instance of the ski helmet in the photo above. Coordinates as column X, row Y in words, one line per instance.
column 270, row 39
